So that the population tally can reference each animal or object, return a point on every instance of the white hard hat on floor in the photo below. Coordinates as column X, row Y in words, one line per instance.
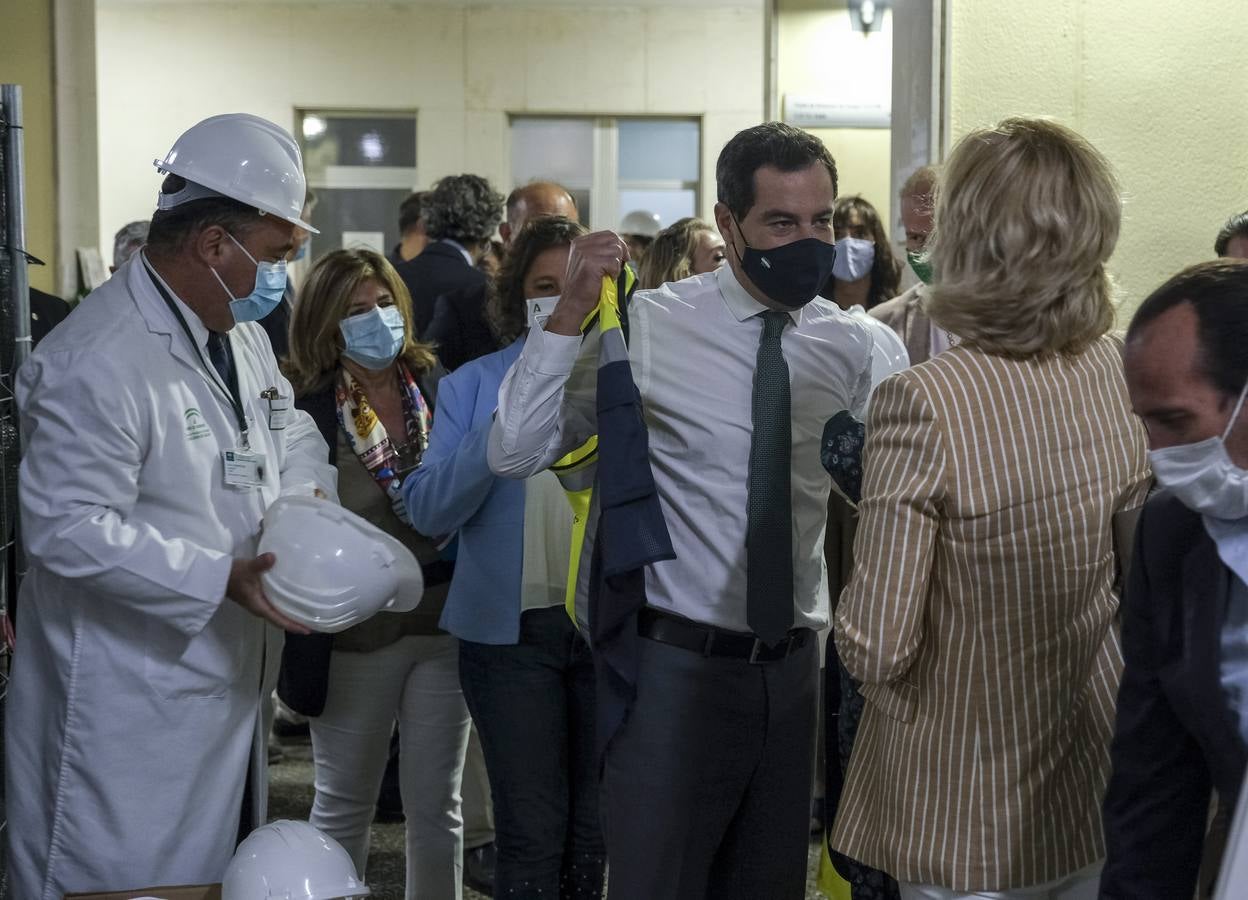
column 243, row 157
column 334, row 569
column 641, row 222
column 288, row 860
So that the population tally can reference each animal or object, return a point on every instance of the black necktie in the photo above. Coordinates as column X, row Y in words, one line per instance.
column 219, row 353
column 769, row 536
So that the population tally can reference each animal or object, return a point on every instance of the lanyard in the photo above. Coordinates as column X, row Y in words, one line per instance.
column 230, row 389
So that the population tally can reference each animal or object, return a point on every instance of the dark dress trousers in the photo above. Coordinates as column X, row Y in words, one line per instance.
column 1176, row 737
column 439, row 270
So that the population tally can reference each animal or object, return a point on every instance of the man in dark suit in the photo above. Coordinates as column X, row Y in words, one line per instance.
column 413, row 239
column 1182, row 721
column 460, row 213
column 459, row 326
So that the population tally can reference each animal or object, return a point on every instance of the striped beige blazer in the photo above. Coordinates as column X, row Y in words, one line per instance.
column 980, row 617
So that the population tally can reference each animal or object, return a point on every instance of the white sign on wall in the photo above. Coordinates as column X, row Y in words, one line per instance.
column 371, row 240
column 806, row 111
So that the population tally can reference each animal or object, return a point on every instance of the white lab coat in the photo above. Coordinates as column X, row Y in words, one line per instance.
column 135, row 684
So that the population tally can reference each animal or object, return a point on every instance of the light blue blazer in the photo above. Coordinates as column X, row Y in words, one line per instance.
column 454, row 490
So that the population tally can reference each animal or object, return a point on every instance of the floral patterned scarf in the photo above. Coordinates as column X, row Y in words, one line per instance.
column 387, row 462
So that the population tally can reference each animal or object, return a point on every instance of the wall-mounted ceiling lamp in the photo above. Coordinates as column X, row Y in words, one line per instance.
column 867, row 15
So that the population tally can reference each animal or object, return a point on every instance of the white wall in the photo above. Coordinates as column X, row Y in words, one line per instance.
column 820, row 54
column 1156, row 86
column 164, row 66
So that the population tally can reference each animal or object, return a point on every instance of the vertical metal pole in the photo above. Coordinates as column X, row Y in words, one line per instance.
column 771, row 61
column 15, row 190
column 917, row 118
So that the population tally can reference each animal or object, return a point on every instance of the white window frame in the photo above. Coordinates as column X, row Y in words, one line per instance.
column 605, row 185
column 347, row 177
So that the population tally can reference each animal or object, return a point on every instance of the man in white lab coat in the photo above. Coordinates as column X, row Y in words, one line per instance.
column 158, row 429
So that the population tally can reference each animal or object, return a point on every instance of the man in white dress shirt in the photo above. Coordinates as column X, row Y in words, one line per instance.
column 707, row 783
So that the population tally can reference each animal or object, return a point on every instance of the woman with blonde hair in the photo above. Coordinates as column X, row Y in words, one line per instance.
column 979, row 617
column 687, row 247
column 357, row 370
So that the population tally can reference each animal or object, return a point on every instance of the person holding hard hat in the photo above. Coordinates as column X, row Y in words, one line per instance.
column 159, row 430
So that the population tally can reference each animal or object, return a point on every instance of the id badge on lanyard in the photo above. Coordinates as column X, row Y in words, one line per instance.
column 243, row 468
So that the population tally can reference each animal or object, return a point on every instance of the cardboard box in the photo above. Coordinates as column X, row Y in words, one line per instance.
column 175, row 892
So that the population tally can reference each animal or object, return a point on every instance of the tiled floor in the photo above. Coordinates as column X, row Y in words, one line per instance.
column 290, row 797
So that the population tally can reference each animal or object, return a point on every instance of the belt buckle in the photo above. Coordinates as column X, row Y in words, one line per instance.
column 783, row 648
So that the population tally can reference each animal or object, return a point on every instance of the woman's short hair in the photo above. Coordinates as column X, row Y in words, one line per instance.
column 505, row 308
column 1236, row 226
column 670, row 256
column 886, row 270
column 462, row 208
column 316, row 342
column 1027, row 214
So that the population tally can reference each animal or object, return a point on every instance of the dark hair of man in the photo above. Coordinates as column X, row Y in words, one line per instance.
column 410, row 211
column 1236, row 226
column 172, row 228
column 462, row 208
column 506, row 309
column 772, row 144
column 1218, row 293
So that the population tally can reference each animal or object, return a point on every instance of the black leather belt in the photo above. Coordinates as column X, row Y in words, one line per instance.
column 708, row 640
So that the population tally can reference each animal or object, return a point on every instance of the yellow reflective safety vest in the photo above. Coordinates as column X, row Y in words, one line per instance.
column 577, row 470
column 576, row 475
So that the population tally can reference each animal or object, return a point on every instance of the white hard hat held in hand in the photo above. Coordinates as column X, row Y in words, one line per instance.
column 334, row 569
column 292, row 861
column 243, row 157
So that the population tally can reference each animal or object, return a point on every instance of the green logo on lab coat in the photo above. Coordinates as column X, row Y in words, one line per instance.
column 196, row 428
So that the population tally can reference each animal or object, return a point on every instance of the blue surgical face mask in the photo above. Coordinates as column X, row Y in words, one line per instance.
column 265, row 296
column 302, row 252
column 1202, row 475
column 854, row 258
column 374, row 338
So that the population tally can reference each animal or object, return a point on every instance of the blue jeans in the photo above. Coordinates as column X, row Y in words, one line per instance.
column 533, row 703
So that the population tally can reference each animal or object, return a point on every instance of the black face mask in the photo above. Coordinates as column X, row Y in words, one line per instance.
column 790, row 274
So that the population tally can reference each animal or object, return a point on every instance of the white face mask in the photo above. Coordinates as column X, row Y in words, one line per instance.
column 1202, row 476
column 540, row 309
column 854, row 258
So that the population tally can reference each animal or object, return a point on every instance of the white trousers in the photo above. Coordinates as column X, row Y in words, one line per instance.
column 416, row 680
column 1082, row 885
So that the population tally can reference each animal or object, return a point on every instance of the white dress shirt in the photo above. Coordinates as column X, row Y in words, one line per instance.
column 693, row 347
column 889, row 355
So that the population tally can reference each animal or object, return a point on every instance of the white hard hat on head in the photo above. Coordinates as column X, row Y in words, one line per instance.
column 334, row 569
column 245, row 158
column 642, row 222
column 288, row 860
